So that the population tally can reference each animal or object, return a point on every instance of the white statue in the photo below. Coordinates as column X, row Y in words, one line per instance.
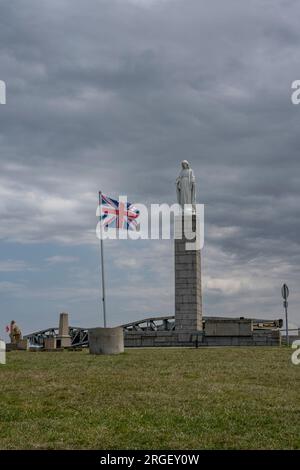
column 185, row 185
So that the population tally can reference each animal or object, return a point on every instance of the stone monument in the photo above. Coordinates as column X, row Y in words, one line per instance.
column 63, row 339
column 50, row 343
column 191, row 329
column 15, row 333
column 188, row 292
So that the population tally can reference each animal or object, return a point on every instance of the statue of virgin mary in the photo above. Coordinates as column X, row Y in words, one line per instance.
column 185, row 185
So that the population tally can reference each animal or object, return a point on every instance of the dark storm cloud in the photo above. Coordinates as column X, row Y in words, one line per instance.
column 114, row 94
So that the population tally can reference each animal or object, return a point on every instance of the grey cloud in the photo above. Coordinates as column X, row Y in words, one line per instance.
column 113, row 95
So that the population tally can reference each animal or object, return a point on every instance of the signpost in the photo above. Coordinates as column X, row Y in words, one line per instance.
column 285, row 293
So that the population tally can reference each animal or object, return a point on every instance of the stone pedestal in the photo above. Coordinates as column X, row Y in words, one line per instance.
column 50, row 343
column 188, row 293
column 11, row 347
column 23, row 345
column 106, row 340
column 63, row 341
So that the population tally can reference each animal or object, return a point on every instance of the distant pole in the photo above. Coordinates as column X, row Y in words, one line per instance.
column 102, row 263
column 286, row 321
column 285, row 293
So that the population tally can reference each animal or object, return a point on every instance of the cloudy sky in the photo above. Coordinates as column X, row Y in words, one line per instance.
column 112, row 95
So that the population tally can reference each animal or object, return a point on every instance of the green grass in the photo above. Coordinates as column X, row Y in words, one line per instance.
column 227, row 398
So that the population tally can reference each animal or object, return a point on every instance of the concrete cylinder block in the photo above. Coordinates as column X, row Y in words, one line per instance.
column 2, row 353
column 106, row 340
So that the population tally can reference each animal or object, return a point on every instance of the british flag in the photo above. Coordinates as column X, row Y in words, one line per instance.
column 118, row 214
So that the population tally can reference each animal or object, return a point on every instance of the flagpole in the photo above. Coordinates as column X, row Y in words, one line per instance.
column 102, row 264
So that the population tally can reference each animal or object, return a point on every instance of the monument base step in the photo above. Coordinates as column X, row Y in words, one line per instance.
column 199, row 339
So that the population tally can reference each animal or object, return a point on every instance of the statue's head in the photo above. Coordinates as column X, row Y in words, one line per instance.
column 185, row 164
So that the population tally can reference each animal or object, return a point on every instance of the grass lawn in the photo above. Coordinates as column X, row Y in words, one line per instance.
column 226, row 398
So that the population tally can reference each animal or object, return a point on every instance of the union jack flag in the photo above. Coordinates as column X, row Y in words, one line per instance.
column 117, row 214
